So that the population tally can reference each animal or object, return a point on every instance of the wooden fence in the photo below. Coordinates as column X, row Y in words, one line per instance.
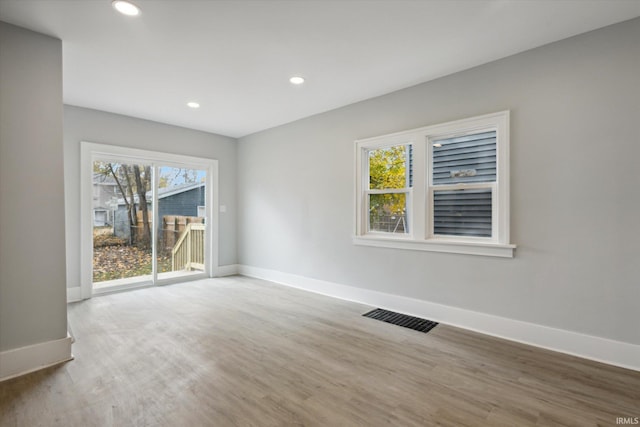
column 173, row 227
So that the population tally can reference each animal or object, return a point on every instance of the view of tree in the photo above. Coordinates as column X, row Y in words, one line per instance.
column 143, row 184
column 387, row 167
column 132, row 181
column 387, row 170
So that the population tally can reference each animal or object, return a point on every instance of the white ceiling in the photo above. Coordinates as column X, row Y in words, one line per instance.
column 235, row 57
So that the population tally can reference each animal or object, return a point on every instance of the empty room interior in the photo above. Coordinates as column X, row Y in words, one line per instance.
column 319, row 213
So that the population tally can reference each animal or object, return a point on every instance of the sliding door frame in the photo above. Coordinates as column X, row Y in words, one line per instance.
column 90, row 152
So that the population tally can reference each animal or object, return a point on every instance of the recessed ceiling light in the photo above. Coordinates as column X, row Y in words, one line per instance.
column 296, row 80
column 193, row 105
column 126, row 7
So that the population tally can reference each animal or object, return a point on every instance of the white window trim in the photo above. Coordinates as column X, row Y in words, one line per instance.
column 406, row 190
column 89, row 152
column 420, row 209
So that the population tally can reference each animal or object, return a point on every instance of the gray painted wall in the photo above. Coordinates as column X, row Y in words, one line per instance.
column 81, row 124
column 32, row 266
column 575, row 189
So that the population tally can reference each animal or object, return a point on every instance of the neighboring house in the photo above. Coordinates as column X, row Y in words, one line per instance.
column 183, row 200
column 105, row 196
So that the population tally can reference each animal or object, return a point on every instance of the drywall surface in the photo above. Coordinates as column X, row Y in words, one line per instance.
column 81, row 124
column 32, row 225
column 575, row 189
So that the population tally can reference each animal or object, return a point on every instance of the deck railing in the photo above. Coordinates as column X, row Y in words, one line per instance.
column 188, row 252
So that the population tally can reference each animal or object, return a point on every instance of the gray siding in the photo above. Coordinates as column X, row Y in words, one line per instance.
column 185, row 203
column 469, row 158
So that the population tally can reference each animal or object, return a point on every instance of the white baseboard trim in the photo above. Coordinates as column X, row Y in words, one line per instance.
column 23, row 360
column 599, row 349
column 74, row 294
column 227, row 270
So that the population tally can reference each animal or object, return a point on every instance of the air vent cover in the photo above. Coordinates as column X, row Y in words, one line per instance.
column 415, row 323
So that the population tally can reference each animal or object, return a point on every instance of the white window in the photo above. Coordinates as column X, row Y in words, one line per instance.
column 441, row 188
column 388, row 192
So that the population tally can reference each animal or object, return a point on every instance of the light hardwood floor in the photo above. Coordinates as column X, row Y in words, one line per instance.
column 244, row 352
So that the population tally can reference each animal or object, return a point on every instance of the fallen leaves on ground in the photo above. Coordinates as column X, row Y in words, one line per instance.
column 121, row 261
column 102, row 240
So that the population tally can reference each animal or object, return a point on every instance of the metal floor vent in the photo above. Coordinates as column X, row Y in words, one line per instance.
column 415, row 323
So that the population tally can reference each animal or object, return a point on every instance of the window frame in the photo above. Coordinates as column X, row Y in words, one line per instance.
column 420, row 215
column 90, row 152
column 407, row 190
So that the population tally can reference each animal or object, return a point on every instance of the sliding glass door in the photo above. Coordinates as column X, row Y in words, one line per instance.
column 180, row 240
column 147, row 218
column 122, row 212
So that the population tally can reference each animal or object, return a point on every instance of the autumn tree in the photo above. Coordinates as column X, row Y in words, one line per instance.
column 388, row 170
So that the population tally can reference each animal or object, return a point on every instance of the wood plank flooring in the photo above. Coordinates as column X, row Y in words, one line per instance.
column 244, row 352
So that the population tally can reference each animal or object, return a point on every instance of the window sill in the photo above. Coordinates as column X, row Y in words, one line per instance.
column 467, row 248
